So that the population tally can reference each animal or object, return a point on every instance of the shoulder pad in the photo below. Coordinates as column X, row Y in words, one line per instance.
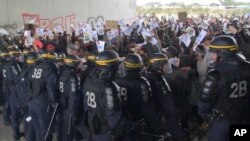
column 166, row 83
column 210, row 84
column 145, row 89
column 213, row 73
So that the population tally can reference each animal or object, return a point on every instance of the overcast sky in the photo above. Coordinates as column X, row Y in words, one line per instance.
column 142, row 2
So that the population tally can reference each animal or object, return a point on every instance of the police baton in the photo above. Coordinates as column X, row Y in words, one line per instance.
column 160, row 137
column 51, row 121
column 70, row 121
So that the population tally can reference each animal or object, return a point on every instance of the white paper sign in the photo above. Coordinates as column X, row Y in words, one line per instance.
column 153, row 25
column 203, row 26
column 110, row 35
column 87, row 37
column 100, row 30
column 154, row 41
column 122, row 22
column 146, row 33
column 94, row 34
column 27, row 33
column 200, row 37
column 128, row 31
column 185, row 38
column 58, row 29
column 225, row 28
column 100, row 46
column 190, row 31
column 39, row 31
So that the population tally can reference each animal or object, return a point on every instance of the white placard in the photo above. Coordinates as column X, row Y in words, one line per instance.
column 154, row 41
column 87, row 37
column 27, row 33
column 58, row 29
column 185, row 38
column 100, row 46
column 110, row 35
column 200, row 37
column 39, row 31
column 94, row 35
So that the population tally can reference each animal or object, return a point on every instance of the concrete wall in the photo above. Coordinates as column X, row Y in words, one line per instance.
column 47, row 13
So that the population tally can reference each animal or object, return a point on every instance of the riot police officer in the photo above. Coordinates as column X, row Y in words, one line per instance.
column 13, row 70
column 225, row 96
column 31, row 58
column 101, row 102
column 42, row 84
column 90, row 66
column 4, row 55
column 69, row 87
column 136, row 95
column 163, row 97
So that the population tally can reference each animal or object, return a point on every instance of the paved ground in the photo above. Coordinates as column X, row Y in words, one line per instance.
column 6, row 132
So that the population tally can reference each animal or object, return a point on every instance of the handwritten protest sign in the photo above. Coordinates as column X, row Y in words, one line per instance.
column 100, row 46
column 110, row 35
column 39, row 31
column 87, row 37
column 111, row 24
column 27, row 33
column 200, row 37
column 58, row 29
column 185, row 38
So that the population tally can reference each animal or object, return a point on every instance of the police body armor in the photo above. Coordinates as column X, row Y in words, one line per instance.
column 39, row 77
column 69, row 83
column 160, row 87
column 134, row 92
column 233, row 98
column 98, row 96
column 10, row 72
column 21, row 86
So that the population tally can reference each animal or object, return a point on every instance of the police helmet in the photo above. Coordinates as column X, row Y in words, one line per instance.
column 107, row 59
column 133, row 62
column 224, row 46
column 4, row 54
column 61, row 56
column 15, row 52
column 72, row 60
column 91, row 58
column 26, row 51
column 157, row 60
column 48, row 55
column 32, row 58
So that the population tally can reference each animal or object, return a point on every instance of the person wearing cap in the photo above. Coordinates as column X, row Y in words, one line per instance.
column 225, row 95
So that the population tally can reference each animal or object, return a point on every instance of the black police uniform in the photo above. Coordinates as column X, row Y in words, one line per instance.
column 42, row 84
column 163, row 99
column 101, row 101
column 136, row 96
column 225, row 96
column 70, row 94
column 13, row 70
column 5, row 93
